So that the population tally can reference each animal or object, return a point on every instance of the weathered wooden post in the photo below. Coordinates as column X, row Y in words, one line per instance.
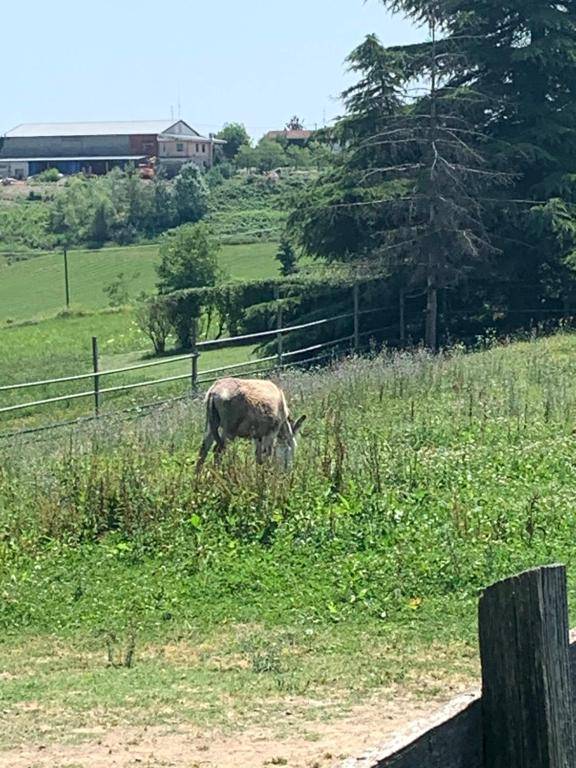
column 356, row 298
column 279, row 323
column 402, row 308
column 95, row 367
column 194, row 378
column 66, row 278
column 527, row 705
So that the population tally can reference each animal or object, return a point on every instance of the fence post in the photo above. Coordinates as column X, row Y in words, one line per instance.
column 279, row 322
column 527, row 706
column 194, row 380
column 356, row 292
column 402, row 318
column 66, row 280
column 96, row 376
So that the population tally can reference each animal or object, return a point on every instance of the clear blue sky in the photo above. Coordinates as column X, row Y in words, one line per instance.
column 228, row 60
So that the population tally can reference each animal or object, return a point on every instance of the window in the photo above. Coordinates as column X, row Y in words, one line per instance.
column 197, row 148
column 179, row 147
column 203, row 147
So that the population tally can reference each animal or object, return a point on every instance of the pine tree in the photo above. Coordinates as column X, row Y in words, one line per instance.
column 287, row 257
column 417, row 174
column 519, row 58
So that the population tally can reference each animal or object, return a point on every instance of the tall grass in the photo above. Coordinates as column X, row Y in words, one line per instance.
column 417, row 481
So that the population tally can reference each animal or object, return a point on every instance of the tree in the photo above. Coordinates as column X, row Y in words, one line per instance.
column 191, row 194
column 188, row 259
column 294, row 124
column 235, row 135
column 164, row 214
column 519, row 58
column 266, row 156
column 407, row 197
column 287, row 257
column 269, row 155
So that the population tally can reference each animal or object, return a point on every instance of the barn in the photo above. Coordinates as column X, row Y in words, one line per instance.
column 97, row 147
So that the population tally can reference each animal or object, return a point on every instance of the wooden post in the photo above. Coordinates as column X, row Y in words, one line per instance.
column 356, row 297
column 528, row 717
column 96, row 376
column 194, row 380
column 402, row 318
column 66, row 280
column 279, row 322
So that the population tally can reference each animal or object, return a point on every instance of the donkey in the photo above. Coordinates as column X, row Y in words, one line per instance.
column 249, row 408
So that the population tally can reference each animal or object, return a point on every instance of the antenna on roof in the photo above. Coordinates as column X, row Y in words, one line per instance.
column 171, row 112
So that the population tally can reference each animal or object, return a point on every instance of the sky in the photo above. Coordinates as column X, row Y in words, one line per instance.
column 246, row 61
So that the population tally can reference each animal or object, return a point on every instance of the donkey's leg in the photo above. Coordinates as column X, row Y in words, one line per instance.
column 258, row 448
column 204, row 449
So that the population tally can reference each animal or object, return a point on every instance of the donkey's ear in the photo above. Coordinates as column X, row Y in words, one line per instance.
column 297, row 424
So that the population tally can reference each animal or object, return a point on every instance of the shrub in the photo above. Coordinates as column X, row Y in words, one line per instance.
column 188, row 259
column 49, row 175
column 154, row 320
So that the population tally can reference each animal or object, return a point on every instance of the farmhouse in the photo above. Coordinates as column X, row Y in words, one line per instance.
column 96, row 147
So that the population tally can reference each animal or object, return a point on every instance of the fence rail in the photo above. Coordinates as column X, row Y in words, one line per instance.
column 282, row 359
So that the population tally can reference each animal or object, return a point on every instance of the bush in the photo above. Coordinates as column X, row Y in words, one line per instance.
column 50, row 175
column 154, row 320
column 188, row 259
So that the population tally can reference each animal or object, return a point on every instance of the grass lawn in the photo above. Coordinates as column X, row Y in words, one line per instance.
column 35, row 287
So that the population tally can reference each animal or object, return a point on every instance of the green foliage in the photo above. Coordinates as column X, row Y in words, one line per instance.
column 25, row 224
column 235, row 135
column 265, row 156
column 467, row 185
column 50, row 175
column 188, row 259
column 287, row 257
column 122, row 207
column 191, row 194
column 117, row 291
column 155, row 321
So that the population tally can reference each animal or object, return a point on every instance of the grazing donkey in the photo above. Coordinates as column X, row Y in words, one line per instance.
column 249, row 408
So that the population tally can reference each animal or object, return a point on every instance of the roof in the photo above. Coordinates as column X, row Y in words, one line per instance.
column 299, row 135
column 109, row 128
column 94, row 158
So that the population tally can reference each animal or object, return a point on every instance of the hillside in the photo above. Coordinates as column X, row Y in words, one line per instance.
column 243, row 208
column 249, row 594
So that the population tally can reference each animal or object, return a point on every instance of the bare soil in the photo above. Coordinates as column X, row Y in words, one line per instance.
column 309, row 745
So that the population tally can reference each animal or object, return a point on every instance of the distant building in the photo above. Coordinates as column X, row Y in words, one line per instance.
column 299, row 137
column 96, row 147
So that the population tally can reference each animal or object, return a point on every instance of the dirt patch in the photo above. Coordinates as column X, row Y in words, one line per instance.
column 300, row 745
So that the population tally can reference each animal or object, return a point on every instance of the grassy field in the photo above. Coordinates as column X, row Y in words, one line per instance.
column 52, row 347
column 246, row 593
column 35, row 287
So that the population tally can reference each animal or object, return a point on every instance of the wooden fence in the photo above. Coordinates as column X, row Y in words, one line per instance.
column 525, row 716
column 197, row 377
